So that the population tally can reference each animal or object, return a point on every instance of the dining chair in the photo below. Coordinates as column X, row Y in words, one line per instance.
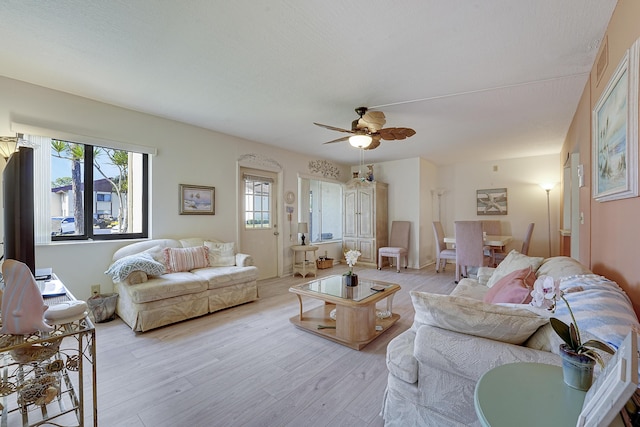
column 442, row 252
column 469, row 247
column 500, row 256
column 492, row 228
column 398, row 244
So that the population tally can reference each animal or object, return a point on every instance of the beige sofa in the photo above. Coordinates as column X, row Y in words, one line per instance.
column 152, row 295
column 435, row 365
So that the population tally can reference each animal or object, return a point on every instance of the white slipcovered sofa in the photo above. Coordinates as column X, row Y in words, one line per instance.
column 164, row 281
column 435, row 365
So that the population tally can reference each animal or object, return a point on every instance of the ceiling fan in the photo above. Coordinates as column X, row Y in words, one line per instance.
column 366, row 131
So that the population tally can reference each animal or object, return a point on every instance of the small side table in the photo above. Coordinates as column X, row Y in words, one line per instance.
column 304, row 266
column 528, row 395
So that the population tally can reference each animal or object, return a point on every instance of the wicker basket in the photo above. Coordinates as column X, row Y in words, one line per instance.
column 324, row 263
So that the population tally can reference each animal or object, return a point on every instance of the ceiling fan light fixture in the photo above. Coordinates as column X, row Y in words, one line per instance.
column 360, row 141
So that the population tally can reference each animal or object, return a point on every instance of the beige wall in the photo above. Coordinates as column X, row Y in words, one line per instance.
column 609, row 238
column 527, row 201
column 185, row 154
column 409, row 182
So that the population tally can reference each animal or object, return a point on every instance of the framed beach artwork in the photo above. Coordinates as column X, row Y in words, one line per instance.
column 615, row 133
column 197, row 200
column 491, row 201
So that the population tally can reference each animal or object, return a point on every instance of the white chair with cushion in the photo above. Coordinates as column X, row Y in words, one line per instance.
column 398, row 244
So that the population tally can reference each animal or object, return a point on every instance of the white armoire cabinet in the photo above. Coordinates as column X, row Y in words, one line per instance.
column 365, row 226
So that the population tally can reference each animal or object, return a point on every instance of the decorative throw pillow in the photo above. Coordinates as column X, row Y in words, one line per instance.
column 136, row 277
column 513, row 288
column 186, row 259
column 221, row 254
column 156, row 253
column 512, row 262
column 121, row 268
column 473, row 317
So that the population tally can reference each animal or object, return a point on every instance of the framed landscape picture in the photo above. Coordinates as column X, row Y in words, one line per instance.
column 491, row 201
column 615, row 133
column 197, row 200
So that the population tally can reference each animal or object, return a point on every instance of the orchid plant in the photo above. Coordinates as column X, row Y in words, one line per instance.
column 545, row 293
column 352, row 257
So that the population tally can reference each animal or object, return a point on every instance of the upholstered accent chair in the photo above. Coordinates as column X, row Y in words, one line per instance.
column 469, row 247
column 442, row 252
column 398, row 244
column 500, row 256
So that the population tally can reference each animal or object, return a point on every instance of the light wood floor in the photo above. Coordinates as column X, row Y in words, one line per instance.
column 249, row 366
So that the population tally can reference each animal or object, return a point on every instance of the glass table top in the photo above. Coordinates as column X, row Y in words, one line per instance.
column 333, row 286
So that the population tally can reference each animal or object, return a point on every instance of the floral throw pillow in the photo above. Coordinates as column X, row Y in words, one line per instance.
column 473, row 317
column 221, row 254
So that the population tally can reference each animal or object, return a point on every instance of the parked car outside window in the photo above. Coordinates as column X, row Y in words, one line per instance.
column 63, row 225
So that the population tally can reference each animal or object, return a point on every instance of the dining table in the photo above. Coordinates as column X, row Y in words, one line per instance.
column 489, row 240
column 494, row 243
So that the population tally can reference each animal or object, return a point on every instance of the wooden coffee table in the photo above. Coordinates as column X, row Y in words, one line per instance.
column 357, row 321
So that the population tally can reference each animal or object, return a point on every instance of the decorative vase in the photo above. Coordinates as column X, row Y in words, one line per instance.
column 350, row 279
column 577, row 369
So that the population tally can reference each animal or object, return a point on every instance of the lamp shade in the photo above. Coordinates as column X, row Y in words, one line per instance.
column 547, row 186
column 303, row 227
column 360, row 141
column 8, row 146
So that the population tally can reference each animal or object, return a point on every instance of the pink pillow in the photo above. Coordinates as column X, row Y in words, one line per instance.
column 186, row 259
column 514, row 288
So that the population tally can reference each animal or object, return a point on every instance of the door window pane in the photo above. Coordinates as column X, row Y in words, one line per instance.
column 257, row 205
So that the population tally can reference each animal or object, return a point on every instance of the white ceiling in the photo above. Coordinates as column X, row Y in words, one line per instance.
column 476, row 79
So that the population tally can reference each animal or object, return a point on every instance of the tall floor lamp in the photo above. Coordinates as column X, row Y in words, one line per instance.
column 548, row 186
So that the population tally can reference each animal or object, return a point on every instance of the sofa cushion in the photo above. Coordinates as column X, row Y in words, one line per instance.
column 218, row 277
column 138, row 247
column 186, row 259
column 514, row 288
column 166, row 286
column 221, row 254
column 561, row 266
column 400, row 359
column 472, row 317
column 512, row 262
column 470, row 288
column 123, row 267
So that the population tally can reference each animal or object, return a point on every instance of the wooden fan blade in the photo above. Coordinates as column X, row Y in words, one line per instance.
column 332, row 128
column 373, row 120
column 391, row 134
column 344, row 138
column 375, row 143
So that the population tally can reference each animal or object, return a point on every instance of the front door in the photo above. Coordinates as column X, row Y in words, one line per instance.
column 258, row 220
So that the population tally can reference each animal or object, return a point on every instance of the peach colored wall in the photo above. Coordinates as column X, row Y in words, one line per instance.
column 610, row 236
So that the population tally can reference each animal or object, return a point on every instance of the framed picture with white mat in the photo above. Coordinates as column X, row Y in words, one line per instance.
column 614, row 386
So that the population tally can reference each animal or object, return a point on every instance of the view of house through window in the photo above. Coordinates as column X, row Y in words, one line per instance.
column 106, row 200
column 321, row 208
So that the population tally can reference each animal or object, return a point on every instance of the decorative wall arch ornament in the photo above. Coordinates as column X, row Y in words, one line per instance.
column 325, row 168
column 260, row 160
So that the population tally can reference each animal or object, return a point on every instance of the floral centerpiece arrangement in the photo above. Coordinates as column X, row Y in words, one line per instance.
column 350, row 278
column 575, row 352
